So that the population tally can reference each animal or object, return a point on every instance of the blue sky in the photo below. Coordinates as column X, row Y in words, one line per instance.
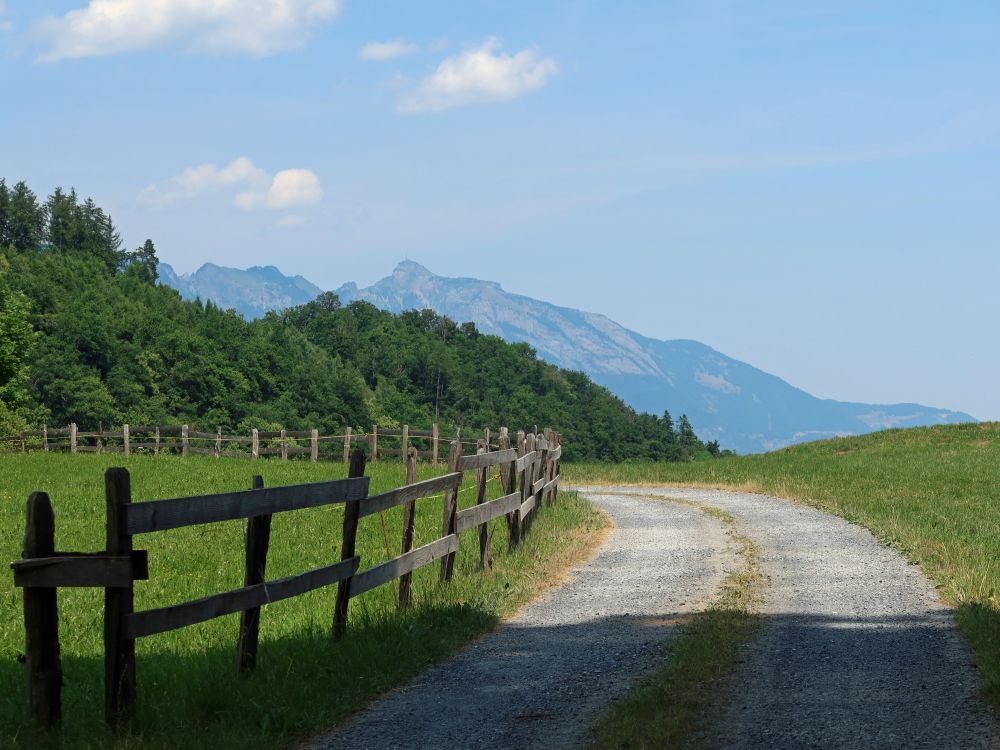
column 813, row 188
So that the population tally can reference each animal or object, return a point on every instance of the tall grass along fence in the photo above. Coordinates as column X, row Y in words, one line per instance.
column 528, row 471
column 381, row 442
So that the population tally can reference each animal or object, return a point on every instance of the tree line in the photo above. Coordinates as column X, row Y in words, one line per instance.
column 87, row 335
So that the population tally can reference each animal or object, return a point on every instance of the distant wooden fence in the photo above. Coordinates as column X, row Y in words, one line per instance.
column 529, row 473
column 382, row 442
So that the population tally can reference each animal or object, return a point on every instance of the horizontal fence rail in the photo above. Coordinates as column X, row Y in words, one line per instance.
column 528, row 472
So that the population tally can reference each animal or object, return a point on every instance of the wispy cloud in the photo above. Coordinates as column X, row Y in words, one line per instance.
column 387, row 50
column 258, row 189
column 478, row 76
column 4, row 25
column 255, row 27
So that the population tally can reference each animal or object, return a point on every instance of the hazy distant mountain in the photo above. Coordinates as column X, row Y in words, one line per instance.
column 740, row 406
column 252, row 292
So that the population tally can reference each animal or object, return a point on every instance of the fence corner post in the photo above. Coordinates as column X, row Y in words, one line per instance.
column 119, row 601
column 41, row 620
column 352, row 514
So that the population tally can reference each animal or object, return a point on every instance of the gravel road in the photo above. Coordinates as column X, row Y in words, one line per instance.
column 857, row 650
column 538, row 680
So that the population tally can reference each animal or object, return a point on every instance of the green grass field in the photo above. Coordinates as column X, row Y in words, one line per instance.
column 932, row 493
column 189, row 692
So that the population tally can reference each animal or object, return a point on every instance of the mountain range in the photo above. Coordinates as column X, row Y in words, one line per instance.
column 742, row 407
column 252, row 292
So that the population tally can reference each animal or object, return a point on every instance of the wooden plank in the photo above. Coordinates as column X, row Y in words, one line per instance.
column 524, row 461
column 553, row 483
column 392, row 498
column 153, row 621
column 81, row 570
column 43, row 668
column 483, row 460
column 119, row 602
column 390, row 432
column 298, row 433
column 258, row 539
column 527, row 506
column 192, row 435
column 466, row 519
column 537, row 486
column 555, row 453
column 397, row 566
column 352, row 514
column 160, row 515
column 421, row 433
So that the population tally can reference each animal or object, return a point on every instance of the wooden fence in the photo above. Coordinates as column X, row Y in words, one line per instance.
column 529, row 472
column 381, row 442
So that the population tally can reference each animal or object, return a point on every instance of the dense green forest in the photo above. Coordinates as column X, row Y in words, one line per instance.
column 88, row 336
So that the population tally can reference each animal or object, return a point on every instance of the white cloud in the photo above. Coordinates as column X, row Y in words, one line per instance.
column 480, row 75
column 256, row 27
column 4, row 25
column 289, row 187
column 386, row 50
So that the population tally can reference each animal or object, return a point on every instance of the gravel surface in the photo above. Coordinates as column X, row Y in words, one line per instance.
column 539, row 680
column 857, row 650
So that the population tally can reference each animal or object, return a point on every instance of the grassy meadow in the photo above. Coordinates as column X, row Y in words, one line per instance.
column 189, row 692
column 932, row 493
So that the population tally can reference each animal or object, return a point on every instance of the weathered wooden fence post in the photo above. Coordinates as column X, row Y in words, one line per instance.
column 184, row 439
column 450, row 509
column 373, row 442
column 218, row 442
column 20, row 436
column 45, row 438
column 352, row 514
column 126, row 448
column 119, row 601
column 100, row 436
column 527, row 480
column 156, row 441
column 347, row 444
column 254, row 443
column 72, row 437
column 284, row 445
column 404, row 448
column 41, row 620
column 258, row 539
column 485, row 558
column 409, row 516
column 314, row 446
column 435, row 441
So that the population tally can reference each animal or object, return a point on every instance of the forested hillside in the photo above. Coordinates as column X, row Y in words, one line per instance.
column 87, row 335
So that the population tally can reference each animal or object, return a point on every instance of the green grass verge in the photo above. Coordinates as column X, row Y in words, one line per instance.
column 189, row 693
column 674, row 706
column 931, row 493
